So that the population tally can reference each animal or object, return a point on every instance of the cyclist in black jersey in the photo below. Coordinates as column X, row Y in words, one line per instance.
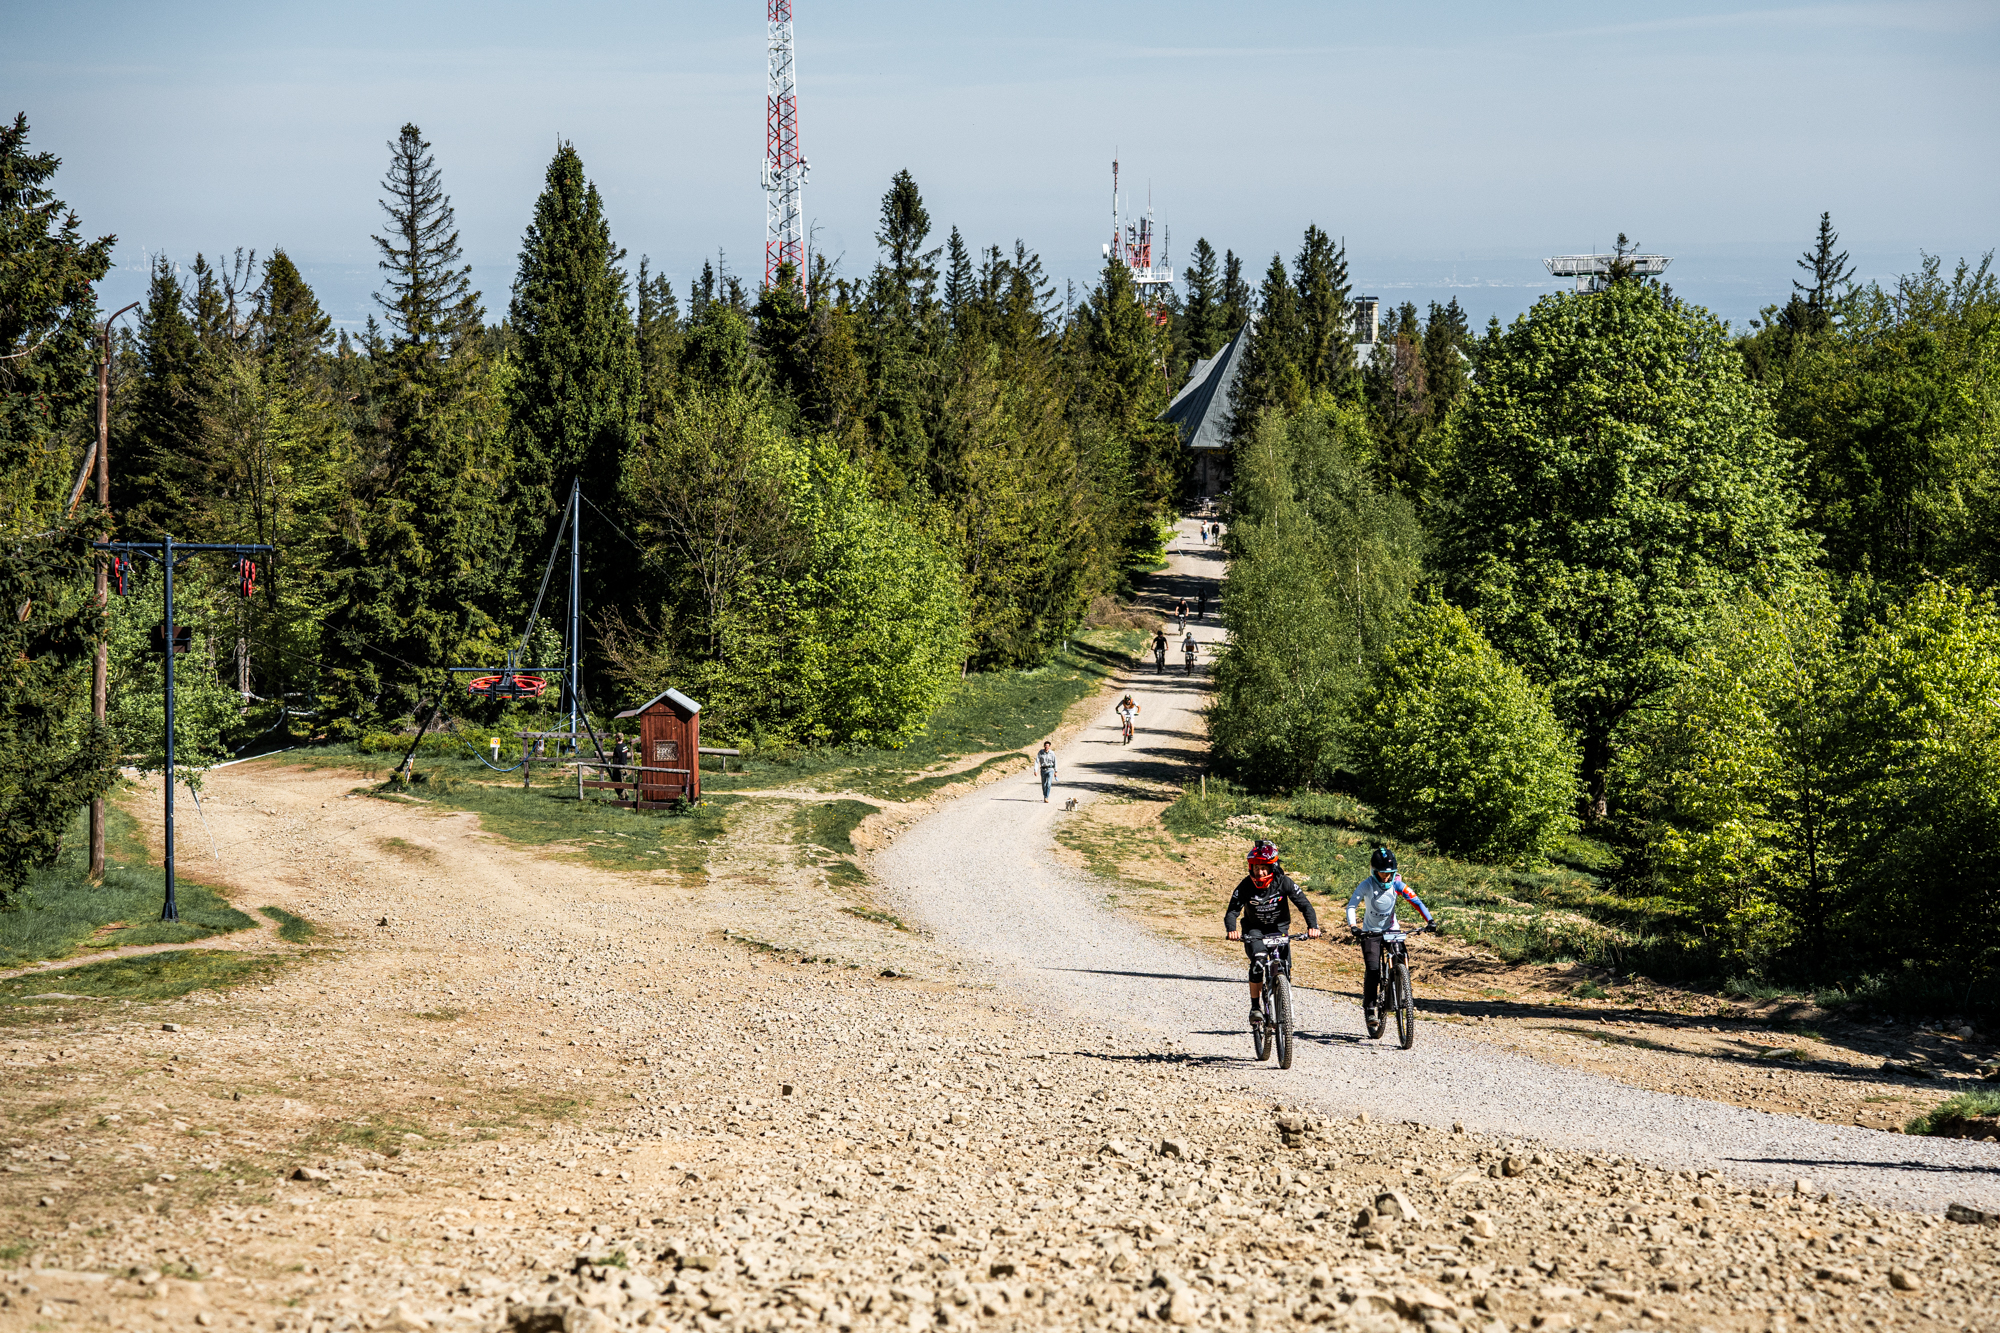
column 1263, row 904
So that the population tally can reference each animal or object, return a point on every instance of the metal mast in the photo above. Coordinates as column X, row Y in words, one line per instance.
column 784, row 165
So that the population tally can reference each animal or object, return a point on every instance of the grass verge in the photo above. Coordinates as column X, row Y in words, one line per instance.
column 153, row 976
column 64, row 912
column 1951, row 1117
column 292, row 929
column 1565, row 913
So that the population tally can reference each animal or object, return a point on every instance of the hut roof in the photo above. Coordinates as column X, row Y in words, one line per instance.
column 674, row 697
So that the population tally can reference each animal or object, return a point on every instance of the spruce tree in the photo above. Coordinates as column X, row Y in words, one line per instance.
column 656, row 332
column 1271, row 378
column 48, row 312
column 1326, row 330
column 294, row 331
column 784, row 332
column 574, row 398
column 1446, row 332
column 1236, row 295
column 960, row 287
column 415, row 574
column 1828, row 267
column 156, row 485
column 1203, row 312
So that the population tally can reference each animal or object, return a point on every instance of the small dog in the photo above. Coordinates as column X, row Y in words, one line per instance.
column 1070, row 804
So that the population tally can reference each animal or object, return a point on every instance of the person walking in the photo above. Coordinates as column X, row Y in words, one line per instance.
column 1046, row 763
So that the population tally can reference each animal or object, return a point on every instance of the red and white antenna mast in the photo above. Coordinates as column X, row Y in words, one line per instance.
column 1132, row 245
column 784, row 165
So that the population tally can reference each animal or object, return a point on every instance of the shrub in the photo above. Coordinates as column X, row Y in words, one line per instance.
column 1454, row 744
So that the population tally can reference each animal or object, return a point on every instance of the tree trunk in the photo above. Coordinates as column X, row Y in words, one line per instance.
column 1597, row 780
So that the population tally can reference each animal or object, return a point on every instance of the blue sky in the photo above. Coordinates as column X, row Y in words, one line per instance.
column 1451, row 144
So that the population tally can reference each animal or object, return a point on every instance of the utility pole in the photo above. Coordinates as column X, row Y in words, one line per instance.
column 575, row 603
column 785, row 168
column 100, row 672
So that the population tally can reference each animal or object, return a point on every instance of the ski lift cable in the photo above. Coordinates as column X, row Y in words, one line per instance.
column 547, row 570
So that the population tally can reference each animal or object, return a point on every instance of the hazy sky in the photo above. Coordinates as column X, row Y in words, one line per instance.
column 1452, row 145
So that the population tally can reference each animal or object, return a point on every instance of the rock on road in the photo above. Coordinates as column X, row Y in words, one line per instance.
column 1041, row 930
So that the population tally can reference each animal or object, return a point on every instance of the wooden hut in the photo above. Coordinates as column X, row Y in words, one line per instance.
column 668, row 757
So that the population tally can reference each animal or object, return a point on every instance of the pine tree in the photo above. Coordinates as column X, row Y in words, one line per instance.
column 656, row 332
column 960, row 287
column 156, row 486
column 574, row 398
column 1271, row 378
column 428, row 296
column 294, row 331
column 1236, row 295
column 419, row 568
column 48, row 311
column 1811, row 308
column 898, row 318
column 784, row 336
column 1202, row 313
column 1446, row 331
column 1326, row 351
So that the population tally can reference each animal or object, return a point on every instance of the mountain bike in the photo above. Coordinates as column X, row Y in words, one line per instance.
column 1273, row 967
column 1160, row 659
column 1395, row 995
column 1125, row 720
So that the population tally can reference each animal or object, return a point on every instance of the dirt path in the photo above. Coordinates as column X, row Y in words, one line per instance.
column 1044, row 931
column 507, row 1092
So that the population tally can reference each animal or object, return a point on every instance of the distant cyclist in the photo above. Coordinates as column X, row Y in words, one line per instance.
column 1160, row 650
column 1376, row 897
column 1263, row 902
column 1181, row 612
column 1188, row 647
column 1128, row 714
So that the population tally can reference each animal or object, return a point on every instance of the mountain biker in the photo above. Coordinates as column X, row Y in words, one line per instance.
column 1128, row 713
column 1188, row 647
column 1377, row 896
column 1181, row 612
column 1263, row 901
column 1160, row 650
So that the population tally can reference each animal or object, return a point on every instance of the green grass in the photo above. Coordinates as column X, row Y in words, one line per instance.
column 64, row 912
column 550, row 816
column 1564, row 913
column 831, row 824
column 988, row 712
column 153, row 976
column 292, row 929
column 1965, row 1106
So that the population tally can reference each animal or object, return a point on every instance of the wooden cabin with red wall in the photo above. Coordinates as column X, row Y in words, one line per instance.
column 668, row 758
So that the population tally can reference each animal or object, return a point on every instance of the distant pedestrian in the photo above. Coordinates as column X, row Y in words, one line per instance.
column 1201, row 606
column 1046, row 762
column 621, row 754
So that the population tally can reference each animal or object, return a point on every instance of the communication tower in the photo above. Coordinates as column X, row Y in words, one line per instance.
column 784, row 165
column 1132, row 243
column 1593, row 272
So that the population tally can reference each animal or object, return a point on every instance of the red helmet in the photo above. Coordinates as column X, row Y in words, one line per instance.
column 1263, row 852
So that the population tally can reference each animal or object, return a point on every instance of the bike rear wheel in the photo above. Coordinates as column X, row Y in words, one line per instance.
column 1281, row 1005
column 1406, row 1008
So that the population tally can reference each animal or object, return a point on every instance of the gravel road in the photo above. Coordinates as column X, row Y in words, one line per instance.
column 1042, row 931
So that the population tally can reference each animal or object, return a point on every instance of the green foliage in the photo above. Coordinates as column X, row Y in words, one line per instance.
column 54, row 756
column 573, row 400
column 1614, row 480
column 205, row 707
column 1454, row 744
column 800, row 609
column 1948, row 1116
column 831, row 824
column 1735, row 777
column 1898, row 408
column 1322, row 563
column 48, row 309
column 1920, row 832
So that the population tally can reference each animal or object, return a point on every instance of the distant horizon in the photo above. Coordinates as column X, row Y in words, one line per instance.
column 1481, row 137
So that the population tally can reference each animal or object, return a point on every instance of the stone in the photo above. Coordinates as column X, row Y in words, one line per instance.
column 1554, row 1320
column 1513, row 1166
column 310, row 1173
column 1802, row 1187
column 1183, row 1307
column 1175, row 1148
column 1001, row 1268
column 1958, row 1212
column 1483, row 1228
column 1396, row 1204
column 170, row 1027
column 1850, row 1276
column 402, row 1319
column 1902, row 1279
column 204, row 1318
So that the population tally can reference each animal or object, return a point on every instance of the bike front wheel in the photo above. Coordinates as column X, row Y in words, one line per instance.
column 1260, row 1034
column 1281, row 1014
column 1406, row 1008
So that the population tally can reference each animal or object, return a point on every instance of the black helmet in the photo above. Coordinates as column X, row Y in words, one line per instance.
column 1381, row 859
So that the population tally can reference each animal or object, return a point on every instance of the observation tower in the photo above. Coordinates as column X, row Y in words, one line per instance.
column 785, row 166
